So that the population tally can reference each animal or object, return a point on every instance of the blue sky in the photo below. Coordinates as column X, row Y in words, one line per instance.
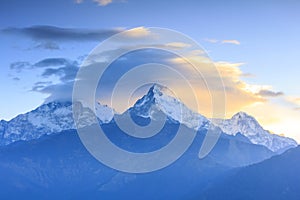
column 260, row 37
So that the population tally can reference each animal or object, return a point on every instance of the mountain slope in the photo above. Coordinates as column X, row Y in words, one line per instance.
column 276, row 178
column 249, row 127
column 58, row 166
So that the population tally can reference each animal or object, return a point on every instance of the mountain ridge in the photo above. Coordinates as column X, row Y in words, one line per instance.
column 275, row 178
column 58, row 116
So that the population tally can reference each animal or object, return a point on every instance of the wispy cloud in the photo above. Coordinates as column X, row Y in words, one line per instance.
column 78, row 1
column 16, row 79
column 236, row 42
column 269, row 93
column 49, row 36
column 18, row 66
column 48, row 45
column 137, row 32
column 53, row 33
column 51, row 62
column 99, row 2
column 294, row 102
column 103, row 2
column 177, row 45
column 211, row 40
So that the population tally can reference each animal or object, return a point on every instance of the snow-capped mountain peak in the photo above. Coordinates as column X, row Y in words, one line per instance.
column 242, row 115
column 159, row 98
column 248, row 126
column 49, row 118
column 104, row 113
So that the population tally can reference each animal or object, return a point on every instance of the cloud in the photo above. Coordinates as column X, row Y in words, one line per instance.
column 296, row 100
column 53, row 33
column 103, row 2
column 63, row 69
column 211, row 40
column 65, row 73
column 269, row 93
column 293, row 100
column 51, row 62
column 57, row 76
column 203, row 73
column 16, row 79
column 237, row 91
column 99, row 2
column 138, row 32
column 19, row 66
column 177, row 45
column 47, row 45
column 40, row 85
column 57, row 92
column 236, row 42
column 238, row 94
column 49, row 36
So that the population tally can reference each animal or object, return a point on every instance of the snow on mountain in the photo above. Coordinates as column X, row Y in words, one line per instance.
column 159, row 98
column 47, row 119
column 249, row 127
column 55, row 117
column 104, row 113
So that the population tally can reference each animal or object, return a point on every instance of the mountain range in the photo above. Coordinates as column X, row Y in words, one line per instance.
column 42, row 157
column 55, row 117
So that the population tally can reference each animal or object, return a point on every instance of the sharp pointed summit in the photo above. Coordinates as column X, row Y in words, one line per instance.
column 159, row 98
column 242, row 115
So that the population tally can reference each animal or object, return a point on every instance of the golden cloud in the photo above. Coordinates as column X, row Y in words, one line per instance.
column 178, row 45
column 138, row 32
column 277, row 118
column 239, row 94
